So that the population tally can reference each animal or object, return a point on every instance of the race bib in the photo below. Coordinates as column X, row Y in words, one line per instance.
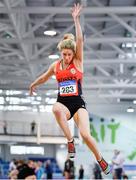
column 68, row 87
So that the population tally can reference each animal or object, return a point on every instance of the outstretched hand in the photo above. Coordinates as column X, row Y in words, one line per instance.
column 76, row 10
column 32, row 89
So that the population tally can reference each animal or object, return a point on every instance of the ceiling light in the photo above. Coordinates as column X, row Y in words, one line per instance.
column 38, row 98
column 2, row 107
column 122, row 56
column 134, row 102
column 130, row 109
column 50, row 33
column 128, row 45
column 35, row 102
column 50, row 100
column 53, row 56
column 48, row 108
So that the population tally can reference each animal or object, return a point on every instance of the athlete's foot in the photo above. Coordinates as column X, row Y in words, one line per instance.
column 71, row 149
column 104, row 166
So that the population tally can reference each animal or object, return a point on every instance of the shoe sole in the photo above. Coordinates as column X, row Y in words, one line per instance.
column 71, row 155
column 107, row 171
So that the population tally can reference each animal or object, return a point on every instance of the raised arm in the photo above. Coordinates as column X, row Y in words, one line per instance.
column 42, row 79
column 79, row 35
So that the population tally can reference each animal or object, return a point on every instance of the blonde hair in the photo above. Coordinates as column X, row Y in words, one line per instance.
column 68, row 42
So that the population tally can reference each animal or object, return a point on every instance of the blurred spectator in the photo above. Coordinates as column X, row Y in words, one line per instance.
column 33, row 125
column 97, row 171
column 117, row 162
column 69, row 169
column 39, row 170
column 81, row 172
column 13, row 174
column 31, row 164
column 49, row 169
column 25, row 171
column 22, row 171
column 5, row 127
column 12, row 165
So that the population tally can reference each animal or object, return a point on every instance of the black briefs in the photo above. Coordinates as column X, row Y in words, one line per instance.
column 73, row 103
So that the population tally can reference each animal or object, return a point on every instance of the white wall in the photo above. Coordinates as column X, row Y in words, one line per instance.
column 20, row 122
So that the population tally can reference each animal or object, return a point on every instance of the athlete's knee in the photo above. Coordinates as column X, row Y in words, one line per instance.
column 85, row 136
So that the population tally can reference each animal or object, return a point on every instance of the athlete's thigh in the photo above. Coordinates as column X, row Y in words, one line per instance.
column 62, row 108
column 81, row 119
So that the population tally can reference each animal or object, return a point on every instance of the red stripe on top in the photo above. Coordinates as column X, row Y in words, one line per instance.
column 70, row 73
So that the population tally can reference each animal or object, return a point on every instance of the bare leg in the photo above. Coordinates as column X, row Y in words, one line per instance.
column 62, row 114
column 82, row 121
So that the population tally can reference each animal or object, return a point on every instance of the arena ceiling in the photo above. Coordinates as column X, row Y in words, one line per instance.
column 109, row 28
